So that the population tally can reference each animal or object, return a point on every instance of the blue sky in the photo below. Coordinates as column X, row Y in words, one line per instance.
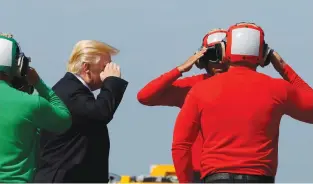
column 154, row 36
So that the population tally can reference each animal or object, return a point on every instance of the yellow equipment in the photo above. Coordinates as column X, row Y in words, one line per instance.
column 162, row 170
column 158, row 174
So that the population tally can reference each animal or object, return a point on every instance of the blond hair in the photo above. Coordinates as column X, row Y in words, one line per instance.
column 88, row 51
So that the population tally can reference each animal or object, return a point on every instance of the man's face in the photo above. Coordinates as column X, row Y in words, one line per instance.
column 215, row 67
column 96, row 69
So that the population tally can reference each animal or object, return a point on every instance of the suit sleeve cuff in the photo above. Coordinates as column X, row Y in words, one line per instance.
column 114, row 83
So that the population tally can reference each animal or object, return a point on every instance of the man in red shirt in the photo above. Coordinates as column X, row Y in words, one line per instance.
column 238, row 113
column 168, row 90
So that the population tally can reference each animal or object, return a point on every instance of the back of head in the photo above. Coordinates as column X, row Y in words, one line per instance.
column 87, row 51
column 243, row 45
column 14, row 64
column 9, row 52
column 213, row 36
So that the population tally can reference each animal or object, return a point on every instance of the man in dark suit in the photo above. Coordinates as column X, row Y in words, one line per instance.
column 81, row 154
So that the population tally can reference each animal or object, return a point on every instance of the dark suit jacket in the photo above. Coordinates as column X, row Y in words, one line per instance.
column 81, row 154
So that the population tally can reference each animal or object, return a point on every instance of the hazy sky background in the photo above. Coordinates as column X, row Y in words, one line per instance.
column 154, row 36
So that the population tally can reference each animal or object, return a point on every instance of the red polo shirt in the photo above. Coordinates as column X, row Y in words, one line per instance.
column 168, row 90
column 238, row 114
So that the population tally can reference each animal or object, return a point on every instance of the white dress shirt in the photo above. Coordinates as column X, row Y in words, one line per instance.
column 82, row 81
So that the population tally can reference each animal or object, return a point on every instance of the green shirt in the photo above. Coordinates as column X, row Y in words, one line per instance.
column 21, row 117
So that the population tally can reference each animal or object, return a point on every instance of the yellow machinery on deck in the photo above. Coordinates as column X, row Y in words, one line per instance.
column 158, row 174
column 162, row 170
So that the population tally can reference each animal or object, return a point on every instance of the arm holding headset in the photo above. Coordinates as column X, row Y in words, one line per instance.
column 50, row 113
column 287, row 72
column 168, row 89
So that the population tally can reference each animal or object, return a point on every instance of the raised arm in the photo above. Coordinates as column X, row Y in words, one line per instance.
column 287, row 72
column 51, row 114
column 168, row 90
column 300, row 103
column 102, row 109
column 185, row 133
column 160, row 90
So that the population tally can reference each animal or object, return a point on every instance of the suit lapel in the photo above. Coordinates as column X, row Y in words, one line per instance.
column 72, row 77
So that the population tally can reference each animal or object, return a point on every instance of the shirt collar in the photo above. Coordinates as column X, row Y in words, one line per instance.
column 82, row 81
column 240, row 68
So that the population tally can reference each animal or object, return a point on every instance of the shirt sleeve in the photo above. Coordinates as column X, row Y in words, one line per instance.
column 160, row 90
column 51, row 113
column 293, row 78
column 300, row 103
column 185, row 133
column 168, row 90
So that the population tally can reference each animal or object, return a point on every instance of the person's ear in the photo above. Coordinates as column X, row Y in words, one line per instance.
column 86, row 68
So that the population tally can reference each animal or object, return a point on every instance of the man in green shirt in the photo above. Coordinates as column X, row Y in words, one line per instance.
column 23, row 115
